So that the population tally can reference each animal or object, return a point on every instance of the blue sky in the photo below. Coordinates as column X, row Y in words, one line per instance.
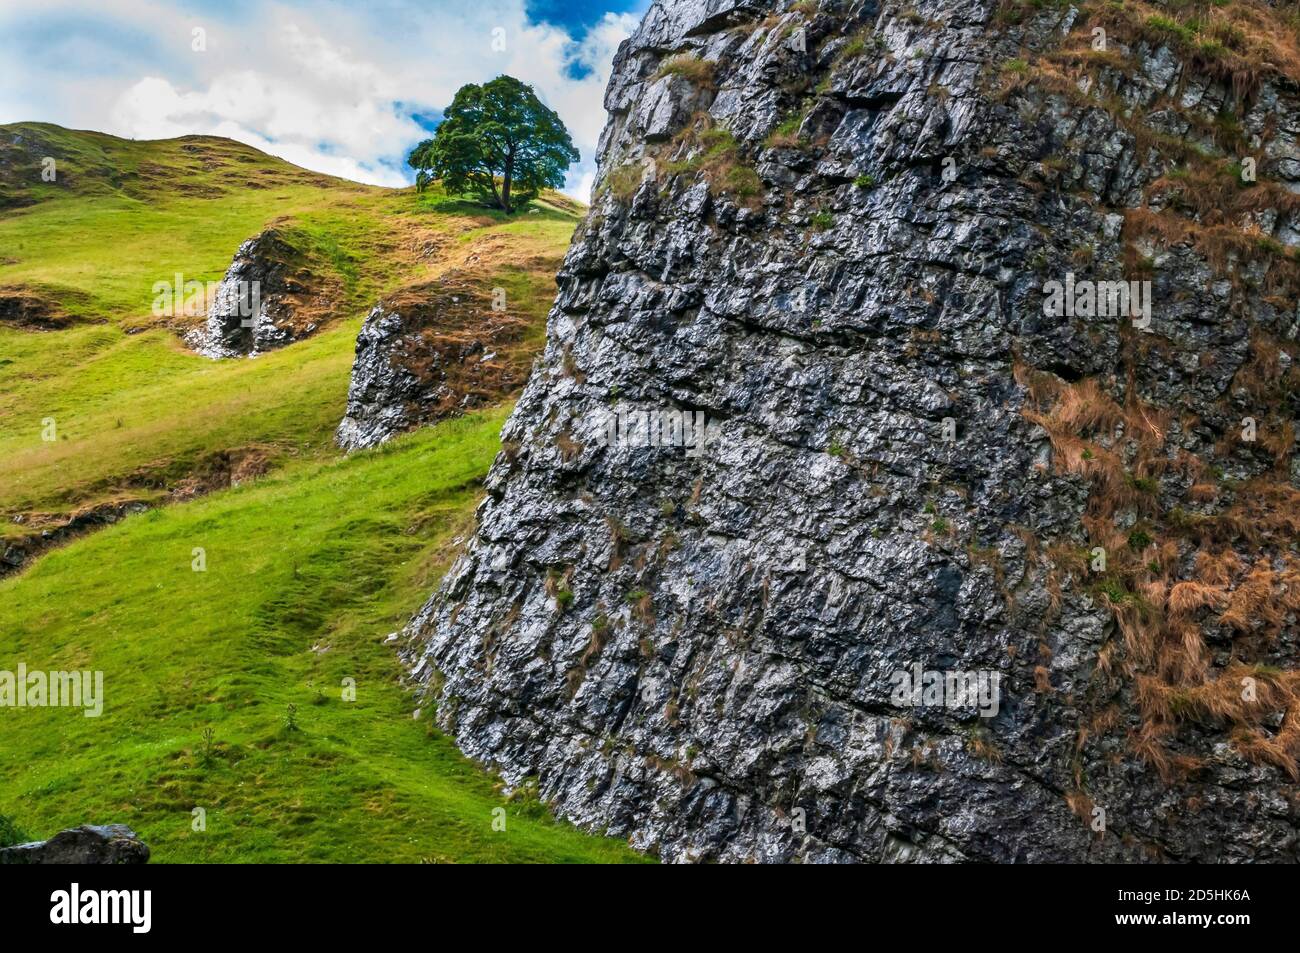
column 341, row 87
column 577, row 16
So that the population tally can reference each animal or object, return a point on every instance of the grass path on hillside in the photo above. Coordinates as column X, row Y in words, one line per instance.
column 307, row 571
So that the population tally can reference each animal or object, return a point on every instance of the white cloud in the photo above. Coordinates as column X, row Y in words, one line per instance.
column 327, row 88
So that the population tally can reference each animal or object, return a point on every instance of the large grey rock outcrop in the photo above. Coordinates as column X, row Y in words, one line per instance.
column 700, row 652
column 385, row 396
column 425, row 353
column 88, row 844
column 258, row 305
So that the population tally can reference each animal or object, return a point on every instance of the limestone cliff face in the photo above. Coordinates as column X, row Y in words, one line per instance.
column 833, row 229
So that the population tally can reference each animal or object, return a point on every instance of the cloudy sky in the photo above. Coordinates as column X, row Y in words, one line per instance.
column 339, row 86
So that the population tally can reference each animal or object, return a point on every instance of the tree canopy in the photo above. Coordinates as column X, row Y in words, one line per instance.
column 498, row 142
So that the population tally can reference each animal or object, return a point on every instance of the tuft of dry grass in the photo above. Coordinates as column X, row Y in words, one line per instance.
column 1238, row 43
column 688, row 66
column 1162, row 618
column 711, row 153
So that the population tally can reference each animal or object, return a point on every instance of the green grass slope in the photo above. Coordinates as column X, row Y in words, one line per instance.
column 133, row 410
column 306, row 573
column 122, row 215
column 307, row 568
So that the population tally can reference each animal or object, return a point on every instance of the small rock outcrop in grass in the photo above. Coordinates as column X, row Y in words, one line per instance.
column 427, row 353
column 268, row 298
column 88, row 844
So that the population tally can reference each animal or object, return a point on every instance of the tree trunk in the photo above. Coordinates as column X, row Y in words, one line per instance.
column 505, row 183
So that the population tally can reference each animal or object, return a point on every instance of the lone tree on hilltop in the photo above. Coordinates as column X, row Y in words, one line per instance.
column 496, row 134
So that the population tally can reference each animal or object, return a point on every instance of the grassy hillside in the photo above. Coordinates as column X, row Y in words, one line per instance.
column 306, row 573
column 308, row 567
column 122, row 215
column 134, row 411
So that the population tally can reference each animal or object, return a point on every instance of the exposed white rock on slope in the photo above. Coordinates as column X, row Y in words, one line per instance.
column 253, row 309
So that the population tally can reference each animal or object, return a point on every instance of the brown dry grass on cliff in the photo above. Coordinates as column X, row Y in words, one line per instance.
column 1165, row 612
column 690, row 67
column 1238, row 43
column 1213, row 193
column 1242, row 700
column 456, row 329
column 1161, row 618
column 601, row 629
column 1263, row 599
column 1225, row 248
column 1086, row 426
column 1264, row 512
column 1261, row 375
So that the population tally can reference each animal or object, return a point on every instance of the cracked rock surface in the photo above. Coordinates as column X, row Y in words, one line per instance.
column 699, row 652
column 385, row 396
